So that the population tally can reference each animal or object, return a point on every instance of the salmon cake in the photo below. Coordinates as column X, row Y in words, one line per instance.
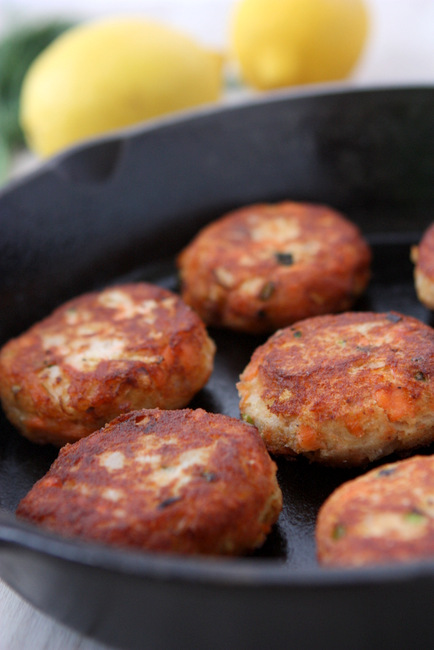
column 423, row 258
column 183, row 481
column 101, row 354
column 343, row 389
column 265, row 266
column 384, row 516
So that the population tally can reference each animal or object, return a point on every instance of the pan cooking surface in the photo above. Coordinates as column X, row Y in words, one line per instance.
column 305, row 486
column 120, row 210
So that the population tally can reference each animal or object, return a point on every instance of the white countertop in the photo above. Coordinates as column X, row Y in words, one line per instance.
column 400, row 51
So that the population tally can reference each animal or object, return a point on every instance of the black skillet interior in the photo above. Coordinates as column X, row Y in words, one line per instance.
column 120, row 209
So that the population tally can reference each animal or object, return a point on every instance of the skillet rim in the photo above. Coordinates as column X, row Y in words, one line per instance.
column 186, row 116
column 255, row 572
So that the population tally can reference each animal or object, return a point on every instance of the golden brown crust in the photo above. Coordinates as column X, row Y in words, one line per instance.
column 384, row 516
column 344, row 389
column 423, row 257
column 102, row 354
column 265, row 266
column 182, row 481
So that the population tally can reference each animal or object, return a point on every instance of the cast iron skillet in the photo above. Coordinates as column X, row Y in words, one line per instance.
column 120, row 209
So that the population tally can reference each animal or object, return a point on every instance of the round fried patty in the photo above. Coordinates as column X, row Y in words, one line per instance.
column 183, row 481
column 343, row 389
column 265, row 266
column 385, row 516
column 102, row 354
column 423, row 257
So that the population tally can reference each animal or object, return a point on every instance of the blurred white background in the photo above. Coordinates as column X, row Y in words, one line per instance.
column 400, row 48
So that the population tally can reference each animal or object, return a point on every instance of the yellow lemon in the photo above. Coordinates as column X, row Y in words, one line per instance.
column 281, row 43
column 109, row 74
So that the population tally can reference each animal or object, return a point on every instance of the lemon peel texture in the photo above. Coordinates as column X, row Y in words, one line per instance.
column 278, row 43
column 112, row 73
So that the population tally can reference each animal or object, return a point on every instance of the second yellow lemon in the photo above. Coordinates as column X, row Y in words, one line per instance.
column 112, row 73
column 281, row 43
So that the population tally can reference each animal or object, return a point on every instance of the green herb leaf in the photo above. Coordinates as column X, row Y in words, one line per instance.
column 168, row 502
column 4, row 158
column 18, row 49
column 415, row 517
column 267, row 291
column 338, row 531
column 209, row 476
column 286, row 259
